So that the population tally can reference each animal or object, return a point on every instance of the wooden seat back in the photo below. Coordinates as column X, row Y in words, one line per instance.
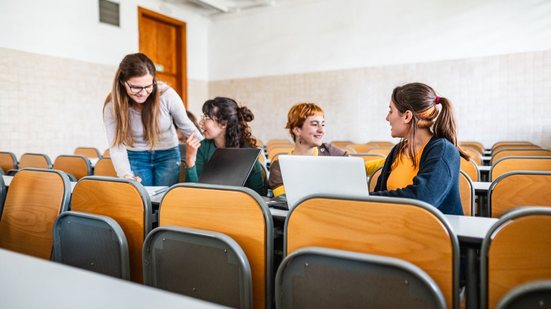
column 126, row 202
column 521, row 188
column 78, row 166
column 515, row 251
column 400, row 228
column 33, row 202
column 237, row 212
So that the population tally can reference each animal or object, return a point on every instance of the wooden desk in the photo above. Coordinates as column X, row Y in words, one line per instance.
column 484, row 172
column 7, row 180
column 93, row 161
column 28, row 282
column 481, row 190
column 481, row 187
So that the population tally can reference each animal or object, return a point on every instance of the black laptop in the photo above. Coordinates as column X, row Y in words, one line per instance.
column 229, row 166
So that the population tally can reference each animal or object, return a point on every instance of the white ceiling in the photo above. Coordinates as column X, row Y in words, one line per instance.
column 214, row 8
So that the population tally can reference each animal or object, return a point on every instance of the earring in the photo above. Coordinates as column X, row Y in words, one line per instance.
column 300, row 140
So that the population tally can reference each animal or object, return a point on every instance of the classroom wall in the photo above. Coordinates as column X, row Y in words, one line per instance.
column 57, row 63
column 491, row 58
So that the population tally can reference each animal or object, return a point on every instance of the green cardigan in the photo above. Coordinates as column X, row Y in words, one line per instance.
column 205, row 152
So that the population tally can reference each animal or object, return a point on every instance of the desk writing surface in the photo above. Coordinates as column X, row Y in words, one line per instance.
column 481, row 187
column 485, row 168
column 93, row 161
column 471, row 229
column 7, row 180
column 28, row 282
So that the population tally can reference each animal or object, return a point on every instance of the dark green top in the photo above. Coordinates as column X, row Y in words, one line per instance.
column 205, row 152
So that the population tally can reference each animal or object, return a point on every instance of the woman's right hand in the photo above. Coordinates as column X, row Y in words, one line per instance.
column 136, row 178
column 192, row 144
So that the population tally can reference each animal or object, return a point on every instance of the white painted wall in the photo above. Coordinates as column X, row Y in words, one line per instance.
column 71, row 29
column 310, row 36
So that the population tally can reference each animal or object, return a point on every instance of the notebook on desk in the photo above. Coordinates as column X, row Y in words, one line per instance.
column 229, row 166
column 307, row 175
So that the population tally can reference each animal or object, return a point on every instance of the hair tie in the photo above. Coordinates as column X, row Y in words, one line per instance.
column 437, row 100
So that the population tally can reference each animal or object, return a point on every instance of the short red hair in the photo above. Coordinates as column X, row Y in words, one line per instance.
column 298, row 114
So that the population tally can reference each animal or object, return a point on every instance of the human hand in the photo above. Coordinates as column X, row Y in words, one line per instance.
column 192, row 144
column 136, row 178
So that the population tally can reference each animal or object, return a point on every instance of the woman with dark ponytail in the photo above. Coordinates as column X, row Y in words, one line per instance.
column 225, row 125
column 425, row 164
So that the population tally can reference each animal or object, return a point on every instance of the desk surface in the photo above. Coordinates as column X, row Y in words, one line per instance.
column 481, row 187
column 28, row 282
column 485, row 168
column 470, row 230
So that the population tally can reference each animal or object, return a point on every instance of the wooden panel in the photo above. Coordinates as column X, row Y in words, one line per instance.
column 168, row 79
column 520, row 190
column 88, row 152
column 32, row 205
column 341, row 144
column 74, row 165
column 470, row 168
column 166, row 41
column 466, row 193
column 520, row 164
column 381, row 144
column 104, row 167
column 233, row 213
column 7, row 161
column 123, row 203
column 373, row 179
column 360, row 148
column 515, row 146
column 474, row 145
column 396, row 230
column 474, row 155
column 163, row 39
column 383, row 151
column 510, row 143
column 34, row 160
column 519, row 152
column 519, row 253
column 275, row 151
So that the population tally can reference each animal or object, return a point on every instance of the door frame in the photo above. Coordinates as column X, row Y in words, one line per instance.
column 181, row 46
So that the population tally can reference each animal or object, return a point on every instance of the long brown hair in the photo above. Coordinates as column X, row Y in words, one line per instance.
column 134, row 65
column 227, row 111
column 422, row 100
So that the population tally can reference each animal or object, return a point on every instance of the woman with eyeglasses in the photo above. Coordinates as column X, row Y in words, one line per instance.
column 425, row 164
column 225, row 125
column 140, row 115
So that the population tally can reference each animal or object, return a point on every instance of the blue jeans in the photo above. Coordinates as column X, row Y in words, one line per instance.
column 156, row 167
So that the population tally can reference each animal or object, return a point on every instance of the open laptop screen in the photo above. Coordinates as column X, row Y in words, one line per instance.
column 229, row 166
column 307, row 175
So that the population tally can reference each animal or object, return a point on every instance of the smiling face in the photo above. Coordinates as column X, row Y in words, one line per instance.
column 312, row 131
column 212, row 129
column 399, row 122
column 139, row 88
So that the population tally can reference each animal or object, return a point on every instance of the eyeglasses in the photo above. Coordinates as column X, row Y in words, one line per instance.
column 205, row 117
column 137, row 89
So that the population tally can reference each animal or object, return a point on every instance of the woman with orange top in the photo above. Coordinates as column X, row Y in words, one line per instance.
column 425, row 164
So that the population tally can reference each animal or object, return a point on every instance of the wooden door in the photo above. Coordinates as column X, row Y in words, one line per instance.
column 163, row 39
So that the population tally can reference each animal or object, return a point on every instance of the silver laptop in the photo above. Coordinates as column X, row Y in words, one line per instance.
column 306, row 175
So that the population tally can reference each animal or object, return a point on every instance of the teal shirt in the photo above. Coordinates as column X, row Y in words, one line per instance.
column 205, row 152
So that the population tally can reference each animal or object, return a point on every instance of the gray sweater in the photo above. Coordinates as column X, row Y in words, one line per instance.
column 172, row 111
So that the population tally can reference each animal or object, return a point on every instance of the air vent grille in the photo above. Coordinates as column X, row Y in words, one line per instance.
column 109, row 12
